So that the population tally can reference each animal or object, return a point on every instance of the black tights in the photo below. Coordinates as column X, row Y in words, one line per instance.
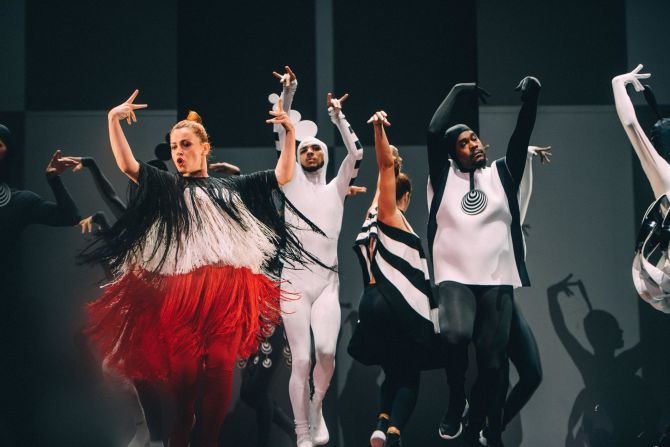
column 255, row 392
column 525, row 356
column 399, row 391
column 482, row 314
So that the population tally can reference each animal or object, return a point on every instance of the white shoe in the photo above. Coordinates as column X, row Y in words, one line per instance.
column 377, row 439
column 302, row 433
column 482, row 438
column 317, row 425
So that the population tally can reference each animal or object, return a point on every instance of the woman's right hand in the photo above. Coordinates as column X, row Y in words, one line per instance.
column 126, row 110
column 633, row 77
column 379, row 119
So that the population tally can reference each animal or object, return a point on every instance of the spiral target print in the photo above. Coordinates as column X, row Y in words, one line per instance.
column 5, row 194
column 474, row 202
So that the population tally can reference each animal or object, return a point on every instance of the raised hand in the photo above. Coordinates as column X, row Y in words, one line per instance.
column 281, row 117
column 633, row 77
column 335, row 104
column 78, row 165
column 126, row 111
column 543, row 152
column 286, row 78
column 58, row 165
column 379, row 119
column 564, row 286
column 86, row 225
column 355, row 190
column 528, row 86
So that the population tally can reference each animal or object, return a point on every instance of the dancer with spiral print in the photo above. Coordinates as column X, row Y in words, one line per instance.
column 477, row 248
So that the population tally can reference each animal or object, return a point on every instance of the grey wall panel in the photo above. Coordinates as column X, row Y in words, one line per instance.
column 581, row 217
column 69, row 412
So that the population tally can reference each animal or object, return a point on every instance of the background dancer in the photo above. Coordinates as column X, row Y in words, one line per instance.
column 397, row 304
column 318, row 309
column 477, row 248
column 18, row 210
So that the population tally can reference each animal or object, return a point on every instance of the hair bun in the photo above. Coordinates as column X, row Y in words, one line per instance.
column 193, row 116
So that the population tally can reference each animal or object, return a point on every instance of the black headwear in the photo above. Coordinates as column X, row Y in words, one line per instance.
column 163, row 151
column 451, row 136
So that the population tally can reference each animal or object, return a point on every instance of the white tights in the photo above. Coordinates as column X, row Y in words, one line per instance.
column 317, row 307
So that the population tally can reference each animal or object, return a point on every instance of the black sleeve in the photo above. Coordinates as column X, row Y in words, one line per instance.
column 105, row 187
column 517, row 148
column 459, row 107
column 60, row 214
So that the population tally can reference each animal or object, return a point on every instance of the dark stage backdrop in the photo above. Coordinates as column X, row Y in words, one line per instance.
column 65, row 64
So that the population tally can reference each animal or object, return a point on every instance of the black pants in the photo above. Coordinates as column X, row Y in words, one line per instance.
column 398, row 393
column 482, row 314
column 525, row 356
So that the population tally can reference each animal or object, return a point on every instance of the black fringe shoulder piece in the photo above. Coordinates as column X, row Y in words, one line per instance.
column 159, row 200
column 263, row 197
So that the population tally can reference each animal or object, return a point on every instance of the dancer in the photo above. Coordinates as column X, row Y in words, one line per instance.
column 19, row 209
column 651, row 267
column 477, row 247
column 397, row 314
column 191, row 255
column 319, row 307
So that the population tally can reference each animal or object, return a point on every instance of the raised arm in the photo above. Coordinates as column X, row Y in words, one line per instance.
column 104, row 186
column 517, row 148
column 63, row 212
column 655, row 167
column 125, row 159
column 346, row 175
column 387, row 211
column 459, row 107
column 289, row 83
column 286, row 163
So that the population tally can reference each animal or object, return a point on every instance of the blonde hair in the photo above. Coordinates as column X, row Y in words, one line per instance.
column 193, row 121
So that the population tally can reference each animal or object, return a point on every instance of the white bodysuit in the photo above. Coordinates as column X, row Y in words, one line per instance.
column 317, row 305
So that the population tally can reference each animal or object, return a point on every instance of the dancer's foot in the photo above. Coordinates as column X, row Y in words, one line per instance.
column 318, row 430
column 379, row 435
column 302, row 434
column 393, row 440
column 451, row 425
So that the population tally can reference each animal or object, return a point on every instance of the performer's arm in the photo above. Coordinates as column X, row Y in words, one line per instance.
column 655, row 167
column 348, row 171
column 444, row 117
column 104, row 186
column 62, row 213
column 289, row 83
column 125, row 159
column 517, row 148
column 387, row 211
column 286, row 163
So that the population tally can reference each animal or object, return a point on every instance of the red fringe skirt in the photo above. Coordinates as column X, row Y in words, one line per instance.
column 144, row 321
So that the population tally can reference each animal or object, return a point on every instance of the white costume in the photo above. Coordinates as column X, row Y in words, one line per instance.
column 651, row 267
column 317, row 306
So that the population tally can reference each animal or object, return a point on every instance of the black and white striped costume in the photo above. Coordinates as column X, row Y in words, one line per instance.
column 400, row 271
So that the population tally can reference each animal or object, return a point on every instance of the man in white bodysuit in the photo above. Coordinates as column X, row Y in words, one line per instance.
column 317, row 307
